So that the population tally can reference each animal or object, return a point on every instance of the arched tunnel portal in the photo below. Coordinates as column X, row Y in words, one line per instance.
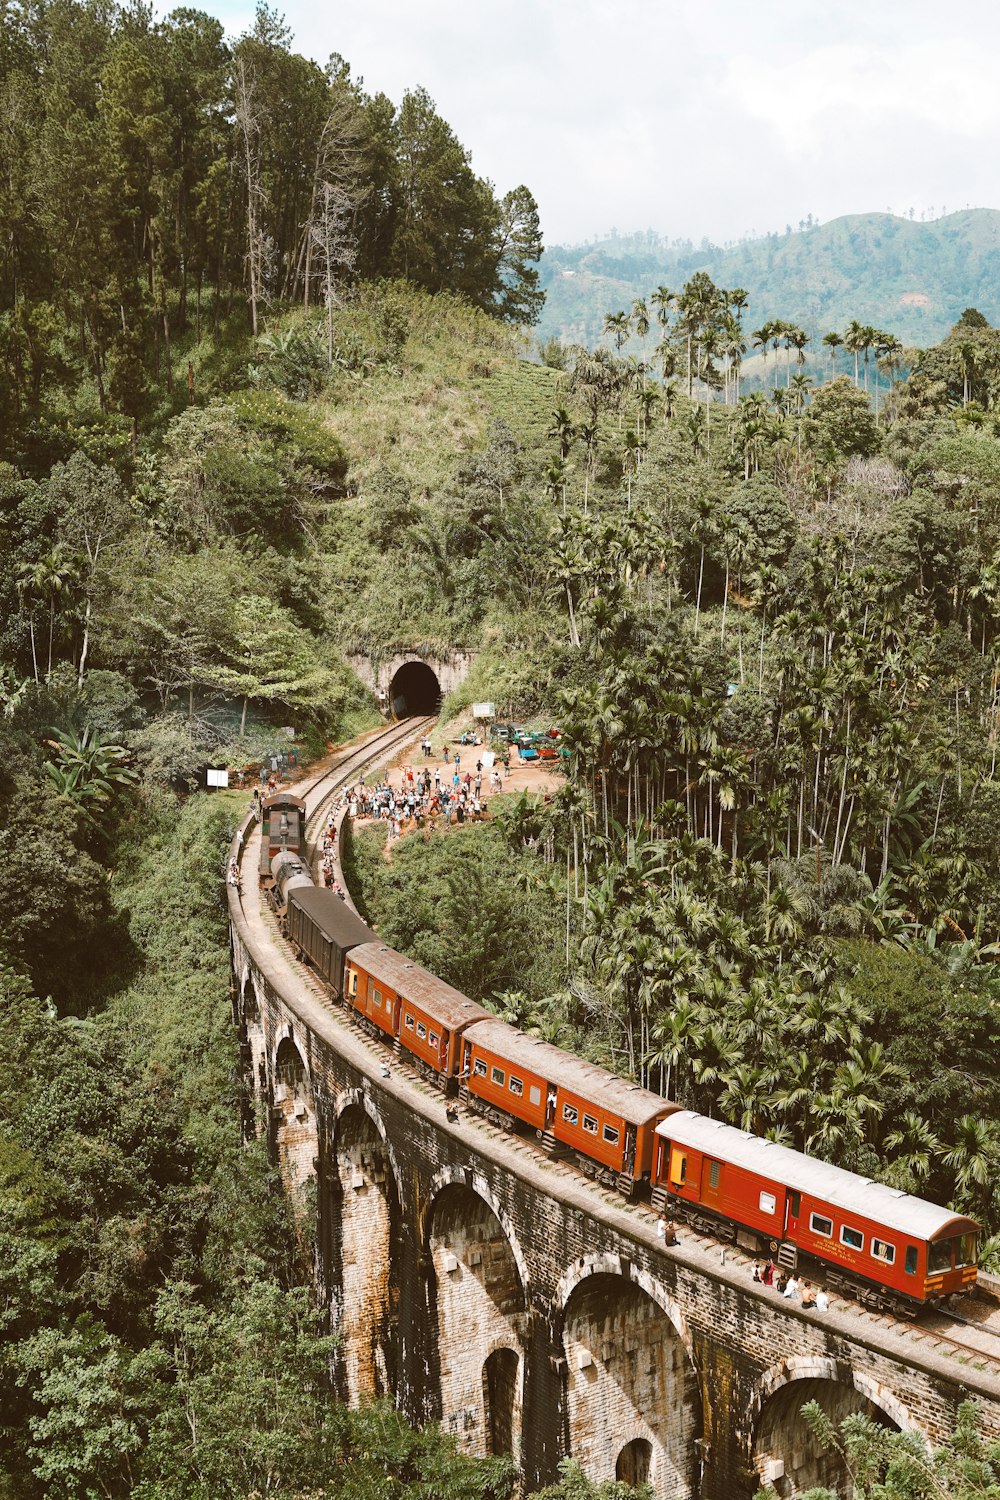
column 414, row 690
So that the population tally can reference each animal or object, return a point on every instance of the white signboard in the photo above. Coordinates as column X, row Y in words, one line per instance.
column 288, row 730
column 218, row 778
column 484, row 711
column 488, row 757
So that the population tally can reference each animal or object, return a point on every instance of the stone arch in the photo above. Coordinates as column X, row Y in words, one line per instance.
column 630, row 1380
column 633, row 1463
column 359, row 1222
column 466, row 1177
column 296, row 1135
column 612, row 1265
column 414, row 689
column 782, row 1441
column 478, row 1288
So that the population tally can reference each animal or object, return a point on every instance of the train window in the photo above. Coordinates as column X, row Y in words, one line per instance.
column 714, row 1173
column 819, row 1225
column 353, row 986
column 479, row 1068
column 852, row 1238
column 421, row 1031
column 516, row 1086
column 610, row 1134
column 911, row 1260
column 534, row 1094
column 497, row 1076
column 433, row 1038
column 768, row 1203
column 678, row 1168
column 590, row 1124
column 570, row 1114
column 939, row 1256
column 968, row 1249
column 409, row 1022
column 377, row 996
column 795, row 1205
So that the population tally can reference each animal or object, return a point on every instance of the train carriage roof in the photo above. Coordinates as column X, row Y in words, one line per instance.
column 332, row 916
column 584, row 1079
column 413, row 982
column 806, row 1174
column 283, row 799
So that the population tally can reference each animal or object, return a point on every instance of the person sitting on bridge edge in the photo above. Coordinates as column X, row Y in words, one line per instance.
column 822, row 1300
column 666, row 1230
column 808, row 1295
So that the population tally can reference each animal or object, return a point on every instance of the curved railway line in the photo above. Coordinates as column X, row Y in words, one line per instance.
column 941, row 1332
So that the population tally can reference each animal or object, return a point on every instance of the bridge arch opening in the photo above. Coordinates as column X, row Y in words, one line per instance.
column 500, row 1374
column 785, row 1443
column 628, row 1375
column 295, row 1136
column 359, row 1208
column 414, row 690
column 633, row 1464
column 480, row 1305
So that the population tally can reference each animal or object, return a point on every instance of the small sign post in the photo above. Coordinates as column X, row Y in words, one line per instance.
column 218, row 778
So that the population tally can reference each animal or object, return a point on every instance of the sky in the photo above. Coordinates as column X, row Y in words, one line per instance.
column 693, row 118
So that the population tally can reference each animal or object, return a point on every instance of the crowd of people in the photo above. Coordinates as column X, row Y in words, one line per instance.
column 422, row 798
column 787, row 1285
column 784, row 1282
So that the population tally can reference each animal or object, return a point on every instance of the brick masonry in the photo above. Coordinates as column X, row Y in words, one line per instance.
column 527, row 1309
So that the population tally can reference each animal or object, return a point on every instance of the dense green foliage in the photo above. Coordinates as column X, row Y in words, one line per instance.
column 912, row 276
column 887, row 1465
column 161, row 177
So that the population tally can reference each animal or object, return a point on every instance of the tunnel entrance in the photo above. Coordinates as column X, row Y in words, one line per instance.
column 414, row 691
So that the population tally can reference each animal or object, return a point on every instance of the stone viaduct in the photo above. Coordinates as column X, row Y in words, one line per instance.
column 478, row 1283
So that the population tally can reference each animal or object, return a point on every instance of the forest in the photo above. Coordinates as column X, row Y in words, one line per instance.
column 271, row 402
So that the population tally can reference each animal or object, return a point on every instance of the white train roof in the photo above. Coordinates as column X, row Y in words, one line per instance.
column 807, row 1174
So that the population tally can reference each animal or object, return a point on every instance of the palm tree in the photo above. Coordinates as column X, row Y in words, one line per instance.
column 663, row 300
column 640, row 317
column 562, row 429
column 588, row 437
column 854, row 342
column 55, row 575
column 761, row 338
column 833, row 342
column 30, row 583
column 619, row 325
column 631, row 457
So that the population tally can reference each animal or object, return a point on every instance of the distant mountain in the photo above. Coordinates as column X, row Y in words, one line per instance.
column 912, row 279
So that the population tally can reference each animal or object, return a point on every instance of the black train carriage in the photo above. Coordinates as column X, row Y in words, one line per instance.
column 324, row 929
column 282, row 826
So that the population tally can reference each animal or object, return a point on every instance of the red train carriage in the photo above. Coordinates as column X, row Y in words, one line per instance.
column 282, row 826
column 607, row 1122
column 324, row 929
column 897, row 1250
column 407, row 1002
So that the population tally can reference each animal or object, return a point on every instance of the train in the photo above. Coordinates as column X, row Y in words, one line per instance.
column 888, row 1248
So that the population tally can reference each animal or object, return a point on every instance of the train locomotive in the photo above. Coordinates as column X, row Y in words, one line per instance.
column 886, row 1247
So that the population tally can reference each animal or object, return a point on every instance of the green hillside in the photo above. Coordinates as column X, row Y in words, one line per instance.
column 913, row 279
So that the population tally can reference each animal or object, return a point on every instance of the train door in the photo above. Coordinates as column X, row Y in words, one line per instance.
column 711, row 1180
column 793, row 1208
